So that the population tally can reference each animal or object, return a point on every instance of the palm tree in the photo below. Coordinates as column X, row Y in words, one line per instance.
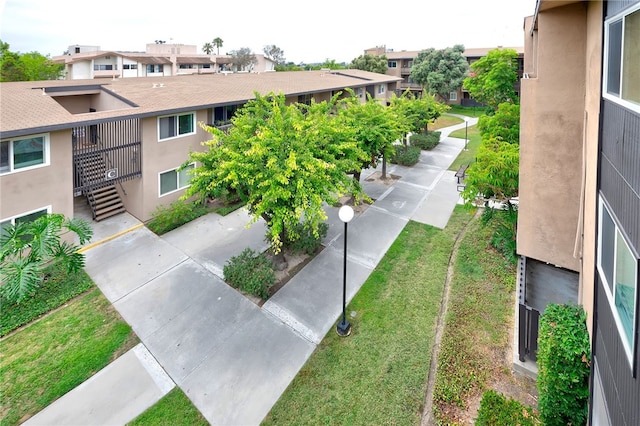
column 217, row 42
column 207, row 48
column 27, row 248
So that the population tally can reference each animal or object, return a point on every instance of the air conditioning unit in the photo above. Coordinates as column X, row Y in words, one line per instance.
column 111, row 174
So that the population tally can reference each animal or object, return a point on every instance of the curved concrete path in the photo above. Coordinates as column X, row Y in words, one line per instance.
column 232, row 358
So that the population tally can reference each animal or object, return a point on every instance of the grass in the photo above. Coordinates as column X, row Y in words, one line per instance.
column 58, row 288
column 468, row 111
column 466, row 157
column 475, row 339
column 173, row 409
column 378, row 375
column 445, row 121
column 53, row 355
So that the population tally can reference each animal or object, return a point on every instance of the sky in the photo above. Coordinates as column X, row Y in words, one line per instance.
column 306, row 31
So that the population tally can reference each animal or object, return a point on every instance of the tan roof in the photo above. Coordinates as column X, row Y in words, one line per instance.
column 148, row 59
column 471, row 52
column 25, row 107
column 195, row 60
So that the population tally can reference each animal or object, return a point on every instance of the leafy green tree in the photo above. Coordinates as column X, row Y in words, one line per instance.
column 504, row 124
column 492, row 78
column 217, row 42
column 27, row 247
column 376, row 128
column 274, row 53
column 371, row 63
column 440, row 71
column 27, row 67
column 289, row 66
column 243, row 59
column 417, row 111
column 283, row 161
column 207, row 48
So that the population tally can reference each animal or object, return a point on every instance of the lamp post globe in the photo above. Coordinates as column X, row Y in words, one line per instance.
column 344, row 328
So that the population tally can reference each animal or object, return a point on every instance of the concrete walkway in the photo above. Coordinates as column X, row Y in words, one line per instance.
column 232, row 358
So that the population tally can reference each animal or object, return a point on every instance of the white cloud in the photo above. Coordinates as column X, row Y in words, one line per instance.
column 305, row 31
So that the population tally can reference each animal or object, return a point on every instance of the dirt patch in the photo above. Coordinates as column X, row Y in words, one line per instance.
column 377, row 178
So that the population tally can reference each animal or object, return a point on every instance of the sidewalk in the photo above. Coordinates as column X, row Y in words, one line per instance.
column 232, row 358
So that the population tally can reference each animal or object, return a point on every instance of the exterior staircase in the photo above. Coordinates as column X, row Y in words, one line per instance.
column 103, row 197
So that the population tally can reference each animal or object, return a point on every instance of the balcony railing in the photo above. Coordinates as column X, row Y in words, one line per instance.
column 405, row 70
column 414, row 86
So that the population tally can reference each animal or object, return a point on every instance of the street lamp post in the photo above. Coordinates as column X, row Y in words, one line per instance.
column 466, row 128
column 344, row 328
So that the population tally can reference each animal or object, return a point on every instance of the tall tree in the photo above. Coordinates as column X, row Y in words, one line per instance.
column 243, row 59
column 492, row 78
column 504, row 124
column 372, row 63
column 274, row 53
column 284, row 161
column 27, row 67
column 207, row 48
column 440, row 72
column 26, row 248
column 417, row 111
column 217, row 42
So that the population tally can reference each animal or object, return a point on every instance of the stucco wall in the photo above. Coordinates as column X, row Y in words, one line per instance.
column 551, row 139
column 33, row 189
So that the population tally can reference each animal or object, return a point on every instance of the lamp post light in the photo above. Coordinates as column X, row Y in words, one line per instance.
column 344, row 328
column 466, row 129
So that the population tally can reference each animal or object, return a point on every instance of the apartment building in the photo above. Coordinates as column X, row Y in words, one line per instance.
column 158, row 60
column 579, row 212
column 120, row 142
column 399, row 64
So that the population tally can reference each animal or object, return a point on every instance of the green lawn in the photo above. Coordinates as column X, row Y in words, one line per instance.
column 53, row 355
column 466, row 157
column 468, row 111
column 174, row 409
column 445, row 121
column 378, row 374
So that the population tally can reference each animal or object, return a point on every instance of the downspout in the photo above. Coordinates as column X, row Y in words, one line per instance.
column 577, row 248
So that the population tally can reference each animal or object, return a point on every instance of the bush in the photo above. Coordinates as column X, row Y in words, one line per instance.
column 425, row 140
column 176, row 214
column 496, row 410
column 405, row 155
column 563, row 366
column 250, row 272
column 302, row 240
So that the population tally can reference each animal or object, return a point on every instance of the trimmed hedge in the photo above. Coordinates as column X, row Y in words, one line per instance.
column 496, row 410
column 176, row 214
column 405, row 155
column 425, row 140
column 250, row 272
column 564, row 361
column 304, row 240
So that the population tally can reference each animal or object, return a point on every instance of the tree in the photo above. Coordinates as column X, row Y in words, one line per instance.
column 27, row 67
column 376, row 128
column 504, row 124
column 275, row 54
column 418, row 111
column 217, row 42
column 440, row 72
column 493, row 77
column 283, row 161
column 28, row 247
column 371, row 63
column 244, row 59
column 207, row 48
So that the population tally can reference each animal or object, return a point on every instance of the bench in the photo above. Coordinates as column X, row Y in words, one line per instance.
column 460, row 175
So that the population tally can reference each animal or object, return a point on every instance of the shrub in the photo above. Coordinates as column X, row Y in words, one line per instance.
column 176, row 214
column 425, row 140
column 405, row 155
column 496, row 410
column 250, row 272
column 302, row 240
column 563, row 365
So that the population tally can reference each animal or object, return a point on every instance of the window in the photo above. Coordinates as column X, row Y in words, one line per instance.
column 176, row 125
column 154, row 68
column 130, row 66
column 392, row 64
column 621, row 73
column 358, row 92
column 380, row 89
column 27, row 217
column 173, row 180
column 186, row 66
column 107, row 67
column 618, row 268
column 24, row 153
column 453, row 96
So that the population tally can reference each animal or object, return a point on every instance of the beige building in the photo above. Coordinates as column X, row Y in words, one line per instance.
column 119, row 142
column 579, row 209
column 158, row 60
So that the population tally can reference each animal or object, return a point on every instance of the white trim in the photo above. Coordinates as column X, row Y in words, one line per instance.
column 605, row 65
column 46, row 148
column 193, row 131
column 628, row 346
column 178, row 187
column 12, row 219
